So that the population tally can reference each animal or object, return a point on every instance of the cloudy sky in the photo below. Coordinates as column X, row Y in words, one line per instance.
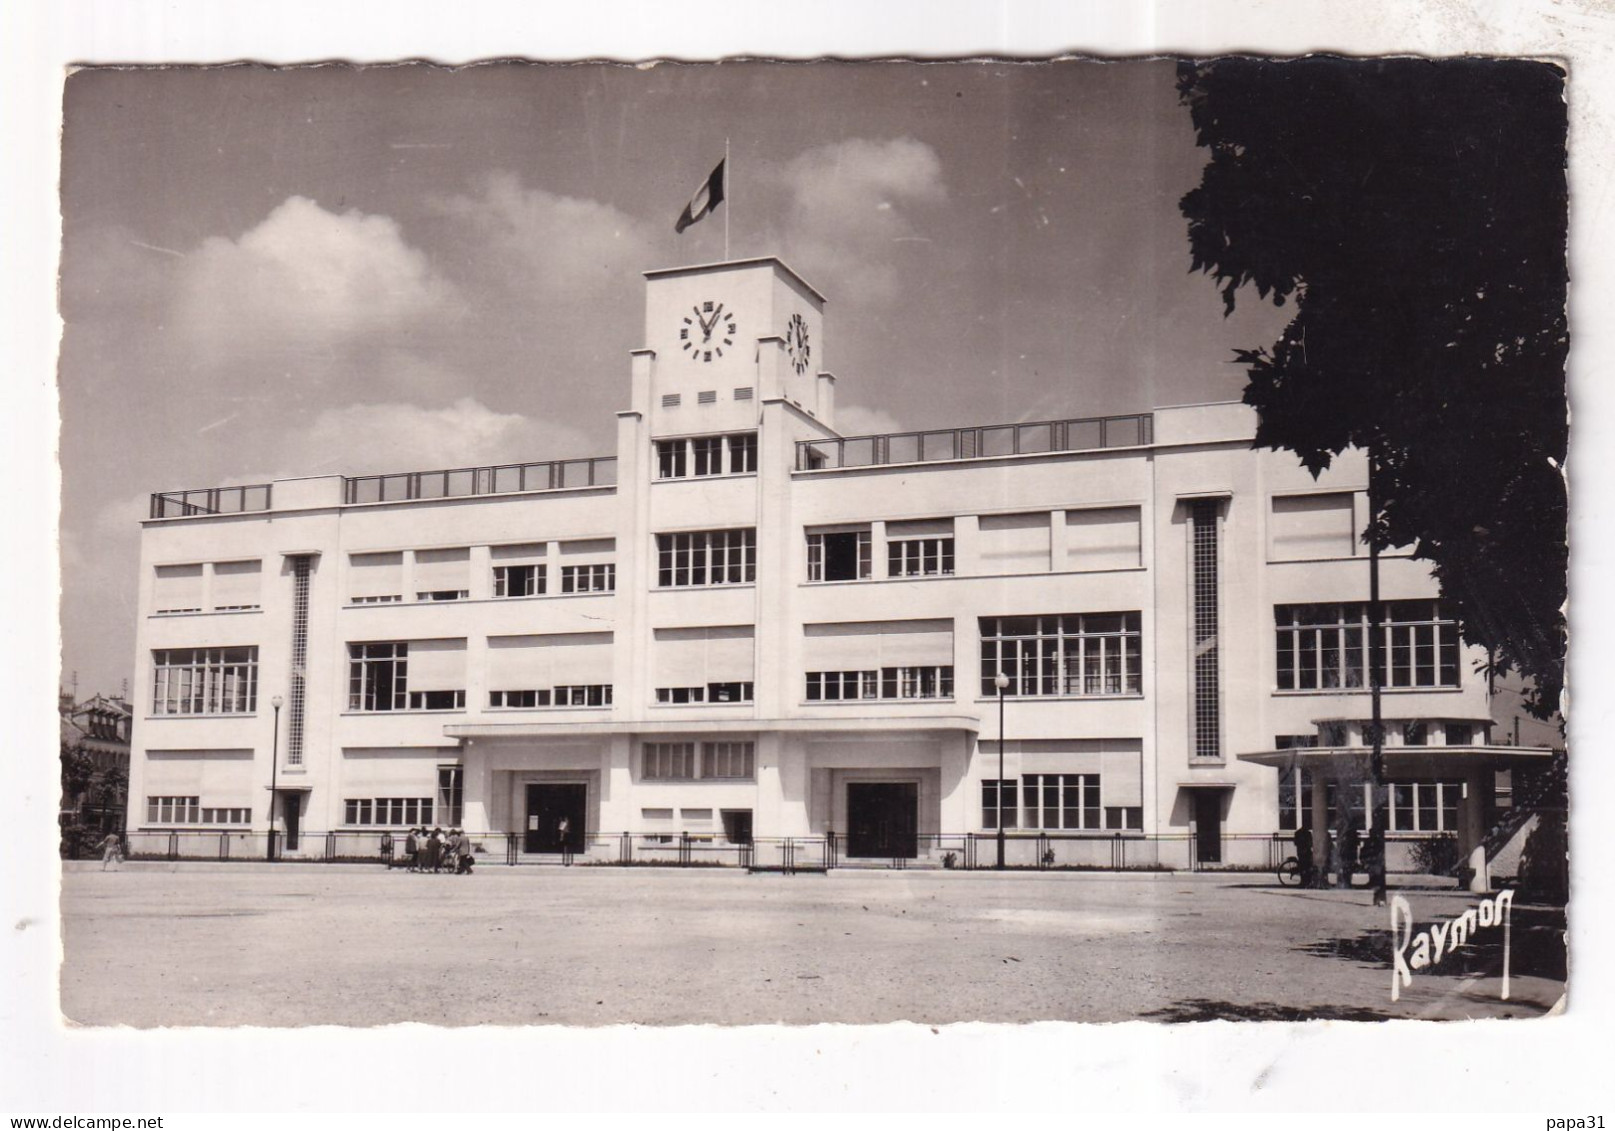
column 327, row 270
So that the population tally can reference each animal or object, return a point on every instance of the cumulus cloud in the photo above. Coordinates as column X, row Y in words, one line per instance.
column 549, row 244
column 307, row 296
column 372, row 438
column 851, row 203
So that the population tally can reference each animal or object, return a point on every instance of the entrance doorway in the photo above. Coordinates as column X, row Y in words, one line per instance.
column 555, row 817
column 1208, row 826
column 737, row 826
column 291, row 807
column 882, row 819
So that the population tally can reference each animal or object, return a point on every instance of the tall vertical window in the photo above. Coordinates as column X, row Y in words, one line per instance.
column 742, row 453
column 451, row 794
column 378, row 676
column 205, row 681
column 1325, row 647
column 1207, row 664
column 706, row 557
column 297, row 699
column 838, row 555
column 1074, row 654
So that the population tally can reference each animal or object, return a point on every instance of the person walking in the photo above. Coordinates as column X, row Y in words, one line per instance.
column 111, row 847
column 467, row 857
column 412, row 850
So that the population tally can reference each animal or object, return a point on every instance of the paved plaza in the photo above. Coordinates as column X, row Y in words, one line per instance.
column 255, row 944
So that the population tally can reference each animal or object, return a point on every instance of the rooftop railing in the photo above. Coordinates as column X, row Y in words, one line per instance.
column 210, row 500
column 1087, row 434
column 510, row 478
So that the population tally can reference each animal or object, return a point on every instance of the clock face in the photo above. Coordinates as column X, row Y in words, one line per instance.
column 796, row 341
column 707, row 331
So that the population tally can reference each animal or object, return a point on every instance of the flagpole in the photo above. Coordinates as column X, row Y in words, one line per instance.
column 727, row 169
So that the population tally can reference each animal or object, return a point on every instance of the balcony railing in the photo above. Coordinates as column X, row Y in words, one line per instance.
column 510, row 478
column 1088, row 434
column 210, row 500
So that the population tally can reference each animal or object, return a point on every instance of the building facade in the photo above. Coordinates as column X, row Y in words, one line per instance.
column 745, row 626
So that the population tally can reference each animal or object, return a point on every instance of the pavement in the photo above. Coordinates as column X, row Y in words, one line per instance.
column 198, row 944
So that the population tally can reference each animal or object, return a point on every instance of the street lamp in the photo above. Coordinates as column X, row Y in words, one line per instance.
column 274, row 753
column 1001, row 681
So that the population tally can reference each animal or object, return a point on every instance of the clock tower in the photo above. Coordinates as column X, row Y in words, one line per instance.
column 721, row 338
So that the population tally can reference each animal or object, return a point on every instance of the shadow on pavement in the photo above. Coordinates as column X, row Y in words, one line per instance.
column 1204, row 1009
column 1537, row 948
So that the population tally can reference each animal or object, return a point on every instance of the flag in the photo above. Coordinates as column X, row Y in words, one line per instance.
column 706, row 198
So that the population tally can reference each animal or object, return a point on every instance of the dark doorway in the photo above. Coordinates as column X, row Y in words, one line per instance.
column 291, row 806
column 555, row 817
column 1208, row 826
column 882, row 818
column 737, row 826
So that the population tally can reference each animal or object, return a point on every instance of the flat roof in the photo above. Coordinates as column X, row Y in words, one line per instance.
column 529, row 728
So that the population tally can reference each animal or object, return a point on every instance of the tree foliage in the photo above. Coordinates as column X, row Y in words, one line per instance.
column 1415, row 212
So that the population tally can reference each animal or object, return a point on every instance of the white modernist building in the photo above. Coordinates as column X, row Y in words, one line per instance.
column 745, row 626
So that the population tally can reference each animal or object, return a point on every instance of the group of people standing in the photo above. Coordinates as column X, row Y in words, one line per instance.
column 436, row 852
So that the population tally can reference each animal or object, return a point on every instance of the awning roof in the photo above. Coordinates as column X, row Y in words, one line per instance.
column 530, row 728
column 1403, row 759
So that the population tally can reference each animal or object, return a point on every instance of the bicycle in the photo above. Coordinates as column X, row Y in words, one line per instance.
column 1289, row 871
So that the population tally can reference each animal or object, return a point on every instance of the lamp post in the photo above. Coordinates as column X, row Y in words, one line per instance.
column 274, row 753
column 1001, row 681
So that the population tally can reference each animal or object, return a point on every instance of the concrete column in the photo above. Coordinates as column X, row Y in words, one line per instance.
column 616, row 785
column 966, row 548
column 771, row 818
column 1058, row 551
column 955, row 801
column 476, row 786
column 794, row 786
column 826, row 407
column 1471, row 833
column 1320, row 821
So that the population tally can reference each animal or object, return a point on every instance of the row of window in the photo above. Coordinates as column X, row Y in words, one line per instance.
column 531, row 580
column 190, row 811
column 1414, row 807
column 735, row 454
column 1076, row 654
column 1054, row 802
column 697, row 761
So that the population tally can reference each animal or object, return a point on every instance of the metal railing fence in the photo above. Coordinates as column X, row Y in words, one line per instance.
column 211, row 500
column 461, row 482
column 1099, row 851
column 945, row 444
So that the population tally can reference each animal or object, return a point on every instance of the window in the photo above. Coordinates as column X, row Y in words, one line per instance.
column 390, row 812
column 739, row 692
column 1357, row 799
column 1103, row 538
column 1061, row 801
column 731, row 760
column 583, row 695
column 1295, row 799
column 557, row 670
column 1460, row 734
column 706, row 761
column 442, row 575
column 668, row 761
column 707, row 557
column 930, row 682
column 1124, row 817
column 919, row 549
column 1325, row 647
column 236, row 586
column 838, row 555
column 451, row 794
column 734, row 454
column 536, row 697
column 190, row 811
column 1073, row 654
column 518, row 580
column 990, row 790
column 1424, row 806
column 377, row 675
column 177, row 589
column 1312, row 527
column 437, row 700
column 742, row 451
column 376, row 579
column 1014, row 543
column 1415, row 733
column 205, row 681
column 598, row 578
